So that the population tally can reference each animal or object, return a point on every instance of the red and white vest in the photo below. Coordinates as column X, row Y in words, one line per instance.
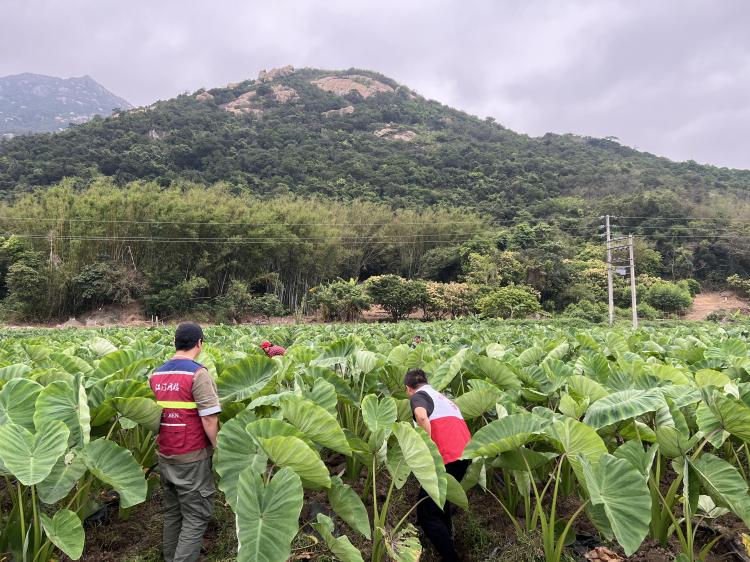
column 449, row 430
column 181, row 429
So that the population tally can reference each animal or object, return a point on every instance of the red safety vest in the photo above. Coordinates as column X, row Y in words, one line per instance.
column 181, row 430
column 449, row 430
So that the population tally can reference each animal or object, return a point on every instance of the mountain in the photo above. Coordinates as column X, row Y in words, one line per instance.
column 358, row 134
column 33, row 103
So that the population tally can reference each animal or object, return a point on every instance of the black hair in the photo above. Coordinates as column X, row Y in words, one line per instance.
column 414, row 378
column 187, row 336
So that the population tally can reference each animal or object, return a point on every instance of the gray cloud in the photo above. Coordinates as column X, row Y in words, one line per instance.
column 671, row 77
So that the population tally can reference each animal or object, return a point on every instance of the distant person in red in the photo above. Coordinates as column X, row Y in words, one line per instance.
column 272, row 350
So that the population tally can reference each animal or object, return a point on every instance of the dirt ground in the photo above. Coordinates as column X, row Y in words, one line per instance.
column 483, row 534
column 708, row 302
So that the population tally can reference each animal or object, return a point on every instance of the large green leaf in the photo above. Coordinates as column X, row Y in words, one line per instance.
column 710, row 425
column 143, row 411
column 116, row 466
column 379, row 417
column 292, row 452
column 323, row 393
column 71, row 363
column 15, row 371
column 437, row 460
column 578, row 441
column 581, row 388
column 633, row 452
column 617, row 486
column 17, row 399
column 272, row 427
column 112, row 363
column 476, row 402
column 341, row 547
column 235, row 452
column 68, row 403
column 498, row 372
column 447, row 371
column 30, row 457
column 622, row 405
column 245, row 379
column 348, row 505
column 673, row 443
column 732, row 414
column 418, row 458
column 523, row 459
column 502, row 435
column 65, row 531
column 267, row 516
column 101, row 346
column 724, row 484
column 455, row 493
column 397, row 467
column 709, row 377
column 315, row 422
column 65, row 474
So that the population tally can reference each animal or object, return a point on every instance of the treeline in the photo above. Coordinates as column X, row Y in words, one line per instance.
column 66, row 251
column 191, row 249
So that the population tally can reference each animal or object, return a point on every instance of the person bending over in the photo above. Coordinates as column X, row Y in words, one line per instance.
column 443, row 422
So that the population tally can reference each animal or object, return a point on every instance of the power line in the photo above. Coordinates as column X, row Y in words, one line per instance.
column 685, row 218
column 498, row 222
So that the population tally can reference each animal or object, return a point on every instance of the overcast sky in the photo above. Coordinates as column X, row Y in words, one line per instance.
column 668, row 76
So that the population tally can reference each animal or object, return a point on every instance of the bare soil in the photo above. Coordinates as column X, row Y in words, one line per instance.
column 711, row 301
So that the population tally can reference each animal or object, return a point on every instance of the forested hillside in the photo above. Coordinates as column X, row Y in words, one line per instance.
column 300, row 160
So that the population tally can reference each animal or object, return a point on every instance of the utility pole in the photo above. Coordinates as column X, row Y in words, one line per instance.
column 633, row 299
column 610, row 290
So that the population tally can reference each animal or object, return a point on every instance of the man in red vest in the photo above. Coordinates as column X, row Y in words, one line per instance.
column 187, row 437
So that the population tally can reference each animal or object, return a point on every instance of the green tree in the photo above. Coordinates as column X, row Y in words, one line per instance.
column 509, row 302
column 340, row 300
column 668, row 297
column 398, row 296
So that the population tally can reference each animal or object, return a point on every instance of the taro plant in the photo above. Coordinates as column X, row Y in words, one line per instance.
column 53, row 468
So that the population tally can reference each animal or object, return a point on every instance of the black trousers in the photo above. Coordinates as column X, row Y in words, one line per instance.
column 435, row 522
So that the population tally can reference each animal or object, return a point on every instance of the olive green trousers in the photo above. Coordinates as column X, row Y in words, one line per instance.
column 188, row 499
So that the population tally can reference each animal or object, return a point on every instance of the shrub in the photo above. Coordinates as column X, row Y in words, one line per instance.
column 181, row 298
column 235, row 303
column 718, row 316
column 454, row 299
column 647, row 312
column 440, row 264
column 514, row 301
column 690, row 285
column 106, row 283
column 340, row 300
column 592, row 311
column 668, row 297
column 28, row 282
column 737, row 283
column 267, row 305
column 398, row 296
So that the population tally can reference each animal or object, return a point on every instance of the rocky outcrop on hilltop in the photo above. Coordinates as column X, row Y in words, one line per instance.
column 274, row 73
column 243, row 104
column 342, row 85
column 284, row 94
